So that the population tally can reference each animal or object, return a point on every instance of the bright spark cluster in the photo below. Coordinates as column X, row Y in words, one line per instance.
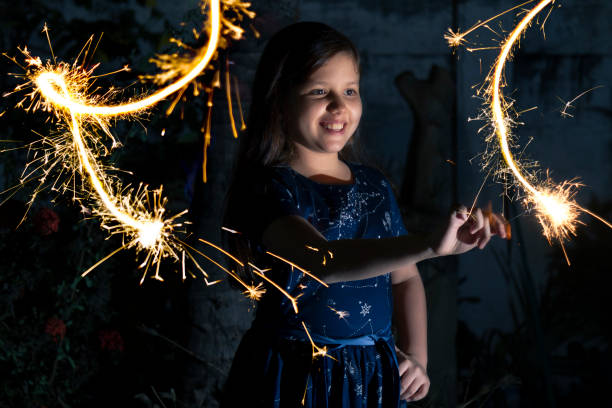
column 553, row 204
column 83, row 121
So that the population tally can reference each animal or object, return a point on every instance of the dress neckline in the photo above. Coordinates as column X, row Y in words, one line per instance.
column 351, row 184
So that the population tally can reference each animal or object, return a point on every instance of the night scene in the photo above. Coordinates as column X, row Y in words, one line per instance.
column 305, row 203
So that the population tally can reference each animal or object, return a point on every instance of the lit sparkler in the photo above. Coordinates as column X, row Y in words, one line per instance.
column 553, row 204
column 138, row 215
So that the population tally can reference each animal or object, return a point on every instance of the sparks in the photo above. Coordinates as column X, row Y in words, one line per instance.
column 342, row 314
column 83, row 119
column 316, row 350
column 304, row 271
column 553, row 204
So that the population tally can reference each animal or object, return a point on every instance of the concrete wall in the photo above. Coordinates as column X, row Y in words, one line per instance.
column 398, row 35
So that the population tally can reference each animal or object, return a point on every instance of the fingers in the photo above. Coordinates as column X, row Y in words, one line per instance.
column 478, row 221
column 408, row 380
column 414, row 383
column 485, row 233
column 404, row 366
column 417, row 389
column 500, row 226
column 484, row 224
column 460, row 215
column 421, row 392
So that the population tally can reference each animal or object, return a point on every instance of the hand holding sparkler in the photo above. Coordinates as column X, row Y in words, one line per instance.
column 466, row 230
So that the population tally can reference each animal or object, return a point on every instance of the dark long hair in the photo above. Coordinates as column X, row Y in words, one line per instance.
column 289, row 58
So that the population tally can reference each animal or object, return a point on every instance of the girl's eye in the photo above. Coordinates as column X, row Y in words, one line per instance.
column 317, row 92
column 351, row 92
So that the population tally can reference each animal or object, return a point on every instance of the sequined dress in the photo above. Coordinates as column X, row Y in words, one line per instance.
column 273, row 366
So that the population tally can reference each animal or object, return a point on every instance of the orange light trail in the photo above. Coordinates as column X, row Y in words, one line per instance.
column 260, row 273
column 46, row 80
column 138, row 215
column 457, row 39
column 298, row 268
column 316, row 350
column 553, row 204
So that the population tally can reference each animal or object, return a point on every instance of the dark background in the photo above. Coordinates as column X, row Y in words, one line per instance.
column 510, row 326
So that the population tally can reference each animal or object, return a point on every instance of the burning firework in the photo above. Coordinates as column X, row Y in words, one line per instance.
column 553, row 204
column 83, row 120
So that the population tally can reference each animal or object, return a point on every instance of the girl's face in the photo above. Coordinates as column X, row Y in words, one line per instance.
column 325, row 110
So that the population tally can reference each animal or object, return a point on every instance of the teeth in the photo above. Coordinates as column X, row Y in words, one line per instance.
column 334, row 126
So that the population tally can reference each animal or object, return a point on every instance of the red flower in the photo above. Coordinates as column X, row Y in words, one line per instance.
column 56, row 328
column 46, row 221
column 110, row 340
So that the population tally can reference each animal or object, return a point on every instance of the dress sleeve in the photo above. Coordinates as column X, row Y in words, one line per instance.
column 272, row 196
column 397, row 222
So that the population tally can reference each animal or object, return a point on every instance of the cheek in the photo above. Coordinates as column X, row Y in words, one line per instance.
column 357, row 110
column 311, row 113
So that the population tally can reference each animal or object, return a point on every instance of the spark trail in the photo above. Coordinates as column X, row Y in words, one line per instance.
column 552, row 203
column 84, row 118
column 138, row 215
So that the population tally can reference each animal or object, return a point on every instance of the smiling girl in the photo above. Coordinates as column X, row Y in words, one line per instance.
column 298, row 193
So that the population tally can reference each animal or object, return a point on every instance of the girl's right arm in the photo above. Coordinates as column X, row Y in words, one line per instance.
column 295, row 239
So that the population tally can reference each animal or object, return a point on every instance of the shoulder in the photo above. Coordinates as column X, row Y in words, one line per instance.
column 370, row 175
column 262, row 180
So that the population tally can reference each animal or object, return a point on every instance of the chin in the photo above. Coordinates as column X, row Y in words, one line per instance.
column 333, row 147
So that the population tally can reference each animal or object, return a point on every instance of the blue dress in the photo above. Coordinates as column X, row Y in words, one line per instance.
column 273, row 366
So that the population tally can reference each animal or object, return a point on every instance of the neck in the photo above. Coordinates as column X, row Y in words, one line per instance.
column 323, row 167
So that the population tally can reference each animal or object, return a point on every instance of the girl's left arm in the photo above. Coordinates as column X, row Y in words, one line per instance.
column 410, row 311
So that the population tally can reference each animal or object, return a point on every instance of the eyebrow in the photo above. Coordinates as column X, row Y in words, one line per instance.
column 316, row 82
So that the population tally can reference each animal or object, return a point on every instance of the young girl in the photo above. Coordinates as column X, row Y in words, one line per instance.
column 296, row 194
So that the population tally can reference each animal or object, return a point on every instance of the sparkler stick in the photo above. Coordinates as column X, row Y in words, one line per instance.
column 553, row 204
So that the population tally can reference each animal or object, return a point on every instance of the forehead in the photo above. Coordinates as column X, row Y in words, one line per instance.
column 340, row 67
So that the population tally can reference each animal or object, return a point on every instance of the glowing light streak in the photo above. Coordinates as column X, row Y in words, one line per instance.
column 316, row 350
column 237, row 93
column 568, row 105
column 228, row 95
column 260, row 273
column 137, row 215
column 553, row 204
column 254, row 292
column 304, row 271
column 45, row 81
column 231, row 231
column 456, row 39
column 555, row 210
column 222, row 251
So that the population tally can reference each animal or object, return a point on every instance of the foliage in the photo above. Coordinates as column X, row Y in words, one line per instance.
column 49, row 315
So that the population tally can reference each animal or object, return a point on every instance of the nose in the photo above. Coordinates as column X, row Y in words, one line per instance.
column 336, row 105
